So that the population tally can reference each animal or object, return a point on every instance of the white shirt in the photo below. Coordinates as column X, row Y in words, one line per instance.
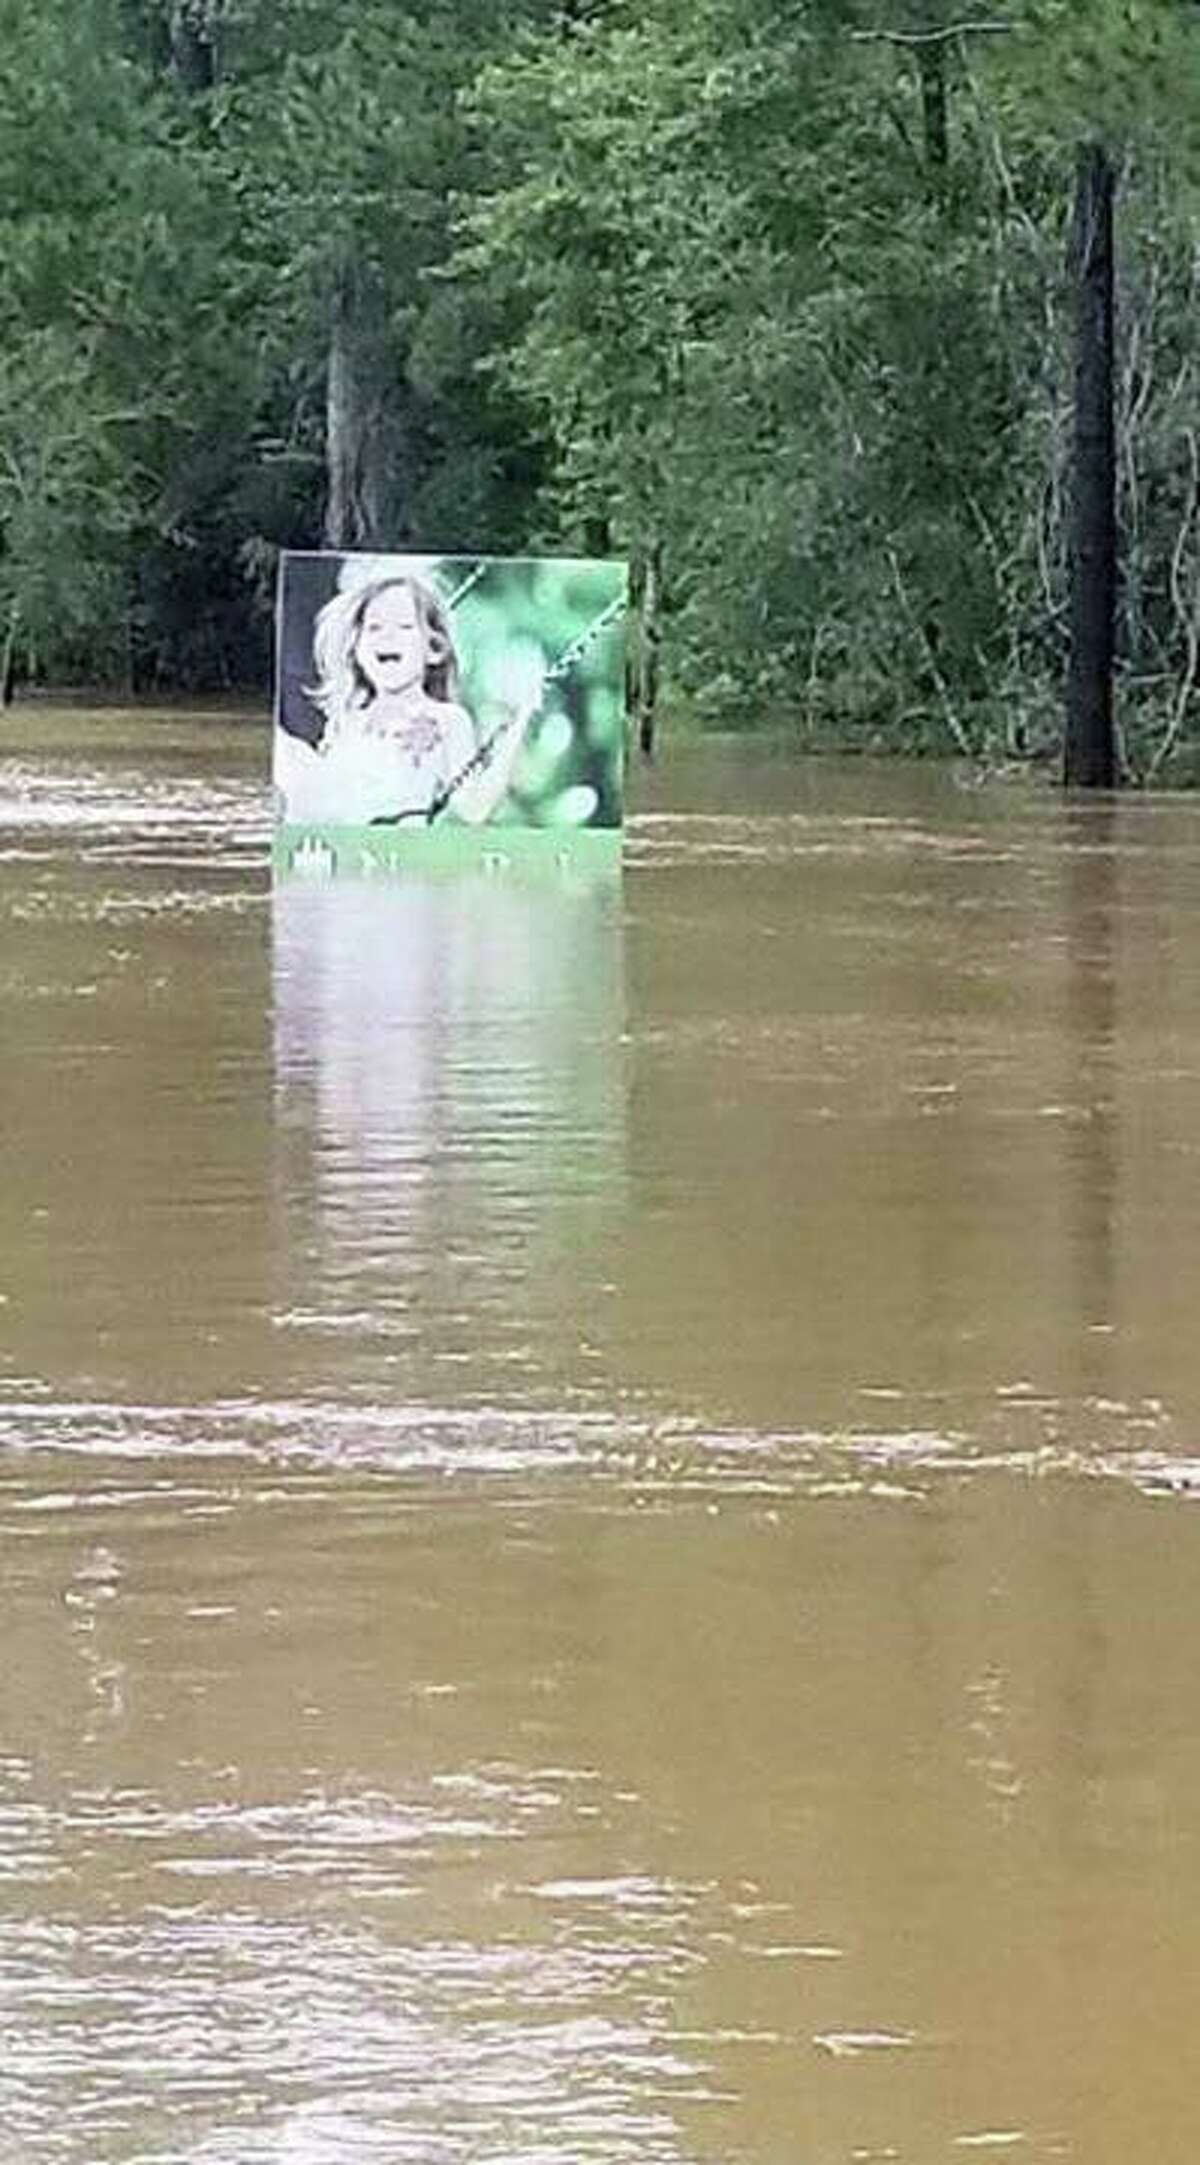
column 356, row 775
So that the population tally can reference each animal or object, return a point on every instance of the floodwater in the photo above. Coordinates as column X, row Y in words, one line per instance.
column 598, row 1480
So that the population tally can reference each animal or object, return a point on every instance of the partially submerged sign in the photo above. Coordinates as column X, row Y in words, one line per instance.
column 420, row 699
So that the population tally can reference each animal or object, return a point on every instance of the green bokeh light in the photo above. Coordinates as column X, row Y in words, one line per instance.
column 558, row 624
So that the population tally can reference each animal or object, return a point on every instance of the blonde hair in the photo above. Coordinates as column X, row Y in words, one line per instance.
column 342, row 691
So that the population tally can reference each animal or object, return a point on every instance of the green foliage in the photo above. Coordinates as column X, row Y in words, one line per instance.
column 701, row 280
column 344, row 128
column 66, row 508
column 765, row 324
column 179, row 252
column 127, row 385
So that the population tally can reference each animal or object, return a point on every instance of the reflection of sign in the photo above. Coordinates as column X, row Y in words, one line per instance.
column 448, row 693
column 450, row 1111
column 419, row 1008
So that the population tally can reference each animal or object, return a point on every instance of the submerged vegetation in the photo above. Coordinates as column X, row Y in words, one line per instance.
column 770, row 295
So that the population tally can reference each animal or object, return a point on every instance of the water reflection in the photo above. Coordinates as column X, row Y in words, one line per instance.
column 450, row 1112
column 1092, row 930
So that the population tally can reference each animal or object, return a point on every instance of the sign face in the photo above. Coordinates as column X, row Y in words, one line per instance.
column 449, row 693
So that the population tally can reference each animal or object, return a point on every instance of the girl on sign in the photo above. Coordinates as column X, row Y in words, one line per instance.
column 397, row 742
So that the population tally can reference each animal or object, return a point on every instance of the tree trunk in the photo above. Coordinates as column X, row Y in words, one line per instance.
column 632, row 644
column 931, row 66
column 193, row 54
column 1089, row 749
column 648, row 644
column 360, row 434
column 8, row 660
column 340, row 437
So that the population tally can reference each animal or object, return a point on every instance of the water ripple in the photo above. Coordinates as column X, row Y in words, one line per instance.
column 652, row 1457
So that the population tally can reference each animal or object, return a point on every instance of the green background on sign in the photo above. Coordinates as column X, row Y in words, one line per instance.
column 521, row 621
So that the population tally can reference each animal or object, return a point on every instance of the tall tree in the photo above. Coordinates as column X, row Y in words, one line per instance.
column 351, row 143
column 1089, row 753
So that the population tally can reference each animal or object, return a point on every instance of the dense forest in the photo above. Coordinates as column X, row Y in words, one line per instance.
column 772, row 296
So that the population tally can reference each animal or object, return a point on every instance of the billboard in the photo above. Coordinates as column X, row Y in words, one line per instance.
column 452, row 693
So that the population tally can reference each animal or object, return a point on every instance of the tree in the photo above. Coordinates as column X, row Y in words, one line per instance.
column 770, row 300
column 746, row 328
column 1089, row 752
column 349, row 141
column 789, row 305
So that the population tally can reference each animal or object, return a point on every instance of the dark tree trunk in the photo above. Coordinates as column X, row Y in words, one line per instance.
column 362, row 431
column 193, row 55
column 632, row 644
column 340, row 434
column 8, row 659
column 1089, row 749
column 351, row 503
column 648, row 643
column 931, row 65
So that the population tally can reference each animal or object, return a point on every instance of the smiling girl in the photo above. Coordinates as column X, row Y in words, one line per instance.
column 397, row 744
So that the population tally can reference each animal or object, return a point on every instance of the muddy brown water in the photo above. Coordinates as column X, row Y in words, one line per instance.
column 598, row 1480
